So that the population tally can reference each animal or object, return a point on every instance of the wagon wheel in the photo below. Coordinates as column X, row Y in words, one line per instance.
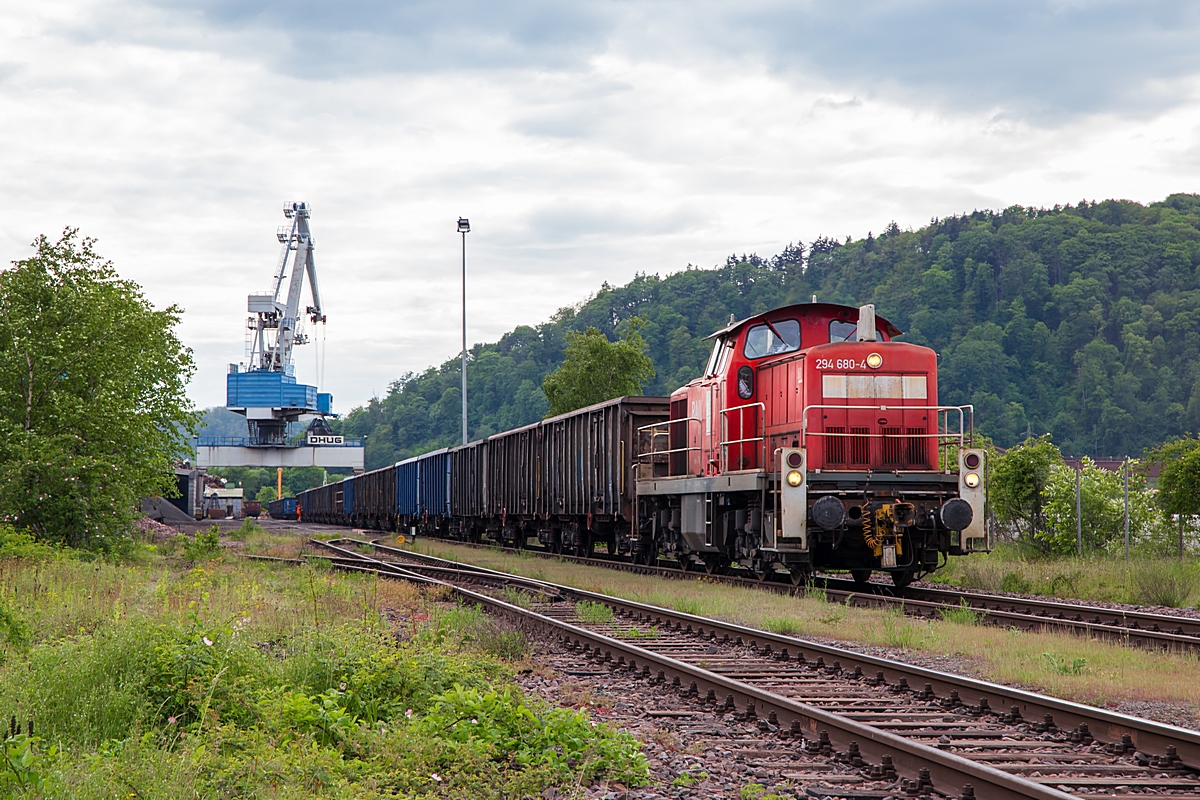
column 861, row 576
column 583, row 545
column 902, row 579
column 714, row 565
column 798, row 576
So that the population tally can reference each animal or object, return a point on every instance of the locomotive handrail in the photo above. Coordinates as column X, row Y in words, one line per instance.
column 656, row 432
column 944, row 435
column 726, row 441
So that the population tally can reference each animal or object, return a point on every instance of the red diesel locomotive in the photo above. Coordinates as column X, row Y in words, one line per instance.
column 812, row 442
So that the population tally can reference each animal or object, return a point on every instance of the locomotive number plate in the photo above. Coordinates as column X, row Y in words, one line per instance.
column 841, row 363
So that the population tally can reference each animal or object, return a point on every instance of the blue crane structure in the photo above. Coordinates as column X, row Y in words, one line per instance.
column 265, row 389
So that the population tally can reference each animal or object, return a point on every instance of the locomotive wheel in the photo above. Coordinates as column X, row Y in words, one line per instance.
column 862, row 576
column 902, row 579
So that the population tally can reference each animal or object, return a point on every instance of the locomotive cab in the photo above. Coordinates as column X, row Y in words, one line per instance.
column 813, row 441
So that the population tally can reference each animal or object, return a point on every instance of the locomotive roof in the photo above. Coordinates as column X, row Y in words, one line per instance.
column 830, row 311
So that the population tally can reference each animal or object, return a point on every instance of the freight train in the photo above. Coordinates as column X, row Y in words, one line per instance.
column 813, row 441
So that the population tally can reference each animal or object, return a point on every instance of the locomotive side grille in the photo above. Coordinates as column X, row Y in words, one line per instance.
column 677, row 435
column 860, row 446
column 835, row 446
column 917, row 455
column 893, row 446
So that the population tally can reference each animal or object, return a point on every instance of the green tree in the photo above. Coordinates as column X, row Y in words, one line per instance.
column 1179, row 478
column 1018, row 484
column 596, row 369
column 92, row 403
column 1101, row 499
column 266, row 494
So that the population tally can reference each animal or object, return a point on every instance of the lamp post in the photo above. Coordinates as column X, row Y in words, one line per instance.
column 464, row 227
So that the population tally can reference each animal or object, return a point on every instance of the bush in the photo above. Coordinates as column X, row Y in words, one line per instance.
column 205, row 545
column 244, row 531
column 513, row 729
column 1163, row 583
column 21, row 544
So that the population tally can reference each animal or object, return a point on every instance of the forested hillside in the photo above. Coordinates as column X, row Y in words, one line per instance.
column 1081, row 321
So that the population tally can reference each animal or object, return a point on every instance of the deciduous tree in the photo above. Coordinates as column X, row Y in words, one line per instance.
column 92, row 403
column 596, row 369
column 1018, row 484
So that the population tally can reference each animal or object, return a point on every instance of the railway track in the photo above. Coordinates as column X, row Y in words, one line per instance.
column 857, row 726
column 1133, row 628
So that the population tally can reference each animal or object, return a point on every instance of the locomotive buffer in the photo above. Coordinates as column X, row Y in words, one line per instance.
column 265, row 390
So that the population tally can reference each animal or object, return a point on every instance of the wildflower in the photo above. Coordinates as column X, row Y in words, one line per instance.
column 170, row 720
column 207, row 642
column 341, row 687
column 474, row 721
column 408, row 713
column 436, row 777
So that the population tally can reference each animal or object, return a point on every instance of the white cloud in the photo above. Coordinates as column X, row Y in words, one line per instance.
column 579, row 153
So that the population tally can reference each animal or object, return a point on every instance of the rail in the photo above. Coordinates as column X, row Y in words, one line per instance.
column 1139, row 749
column 726, row 442
column 947, row 438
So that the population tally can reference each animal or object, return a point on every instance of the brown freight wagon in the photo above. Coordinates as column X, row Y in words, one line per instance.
column 567, row 480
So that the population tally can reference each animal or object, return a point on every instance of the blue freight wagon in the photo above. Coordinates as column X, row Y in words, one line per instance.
column 284, row 508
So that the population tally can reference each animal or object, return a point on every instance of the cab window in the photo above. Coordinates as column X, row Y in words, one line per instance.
column 761, row 341
column 840, row 331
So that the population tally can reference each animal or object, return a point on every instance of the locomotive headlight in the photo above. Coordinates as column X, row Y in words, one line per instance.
column 794, row 478
column 874, row 361
column 971, row 479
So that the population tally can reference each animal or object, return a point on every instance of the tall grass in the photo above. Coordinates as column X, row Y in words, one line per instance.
column 1142, row 581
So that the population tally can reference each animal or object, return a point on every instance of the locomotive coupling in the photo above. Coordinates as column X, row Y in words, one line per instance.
column 882, row 529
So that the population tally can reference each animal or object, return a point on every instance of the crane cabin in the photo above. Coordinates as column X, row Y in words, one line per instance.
column 812, row 441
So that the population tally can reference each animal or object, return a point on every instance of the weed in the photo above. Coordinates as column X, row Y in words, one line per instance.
column 832, row 618
column 784, row 626
column 688, row 605
column 205, row 545
column 1013, row 582
column 686, row 779
column 472, row 629
column 813, row 592
column 1058, row 664
column 244, row 531
column 21, row 773
column 593, row 613
column 636, row 633
column 517, row 597
column 963, row 614
column 756, row 791
column 1162, row 584
column 899, row 632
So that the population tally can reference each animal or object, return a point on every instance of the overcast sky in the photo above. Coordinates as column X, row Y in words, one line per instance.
column 586, row 141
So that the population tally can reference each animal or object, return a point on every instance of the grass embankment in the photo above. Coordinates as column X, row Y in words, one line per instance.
column 1142, row 581
column 1061, row 665
column 202, row 675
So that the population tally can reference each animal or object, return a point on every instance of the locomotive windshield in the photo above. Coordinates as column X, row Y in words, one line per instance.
column 764, row 340
column 840, row 331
